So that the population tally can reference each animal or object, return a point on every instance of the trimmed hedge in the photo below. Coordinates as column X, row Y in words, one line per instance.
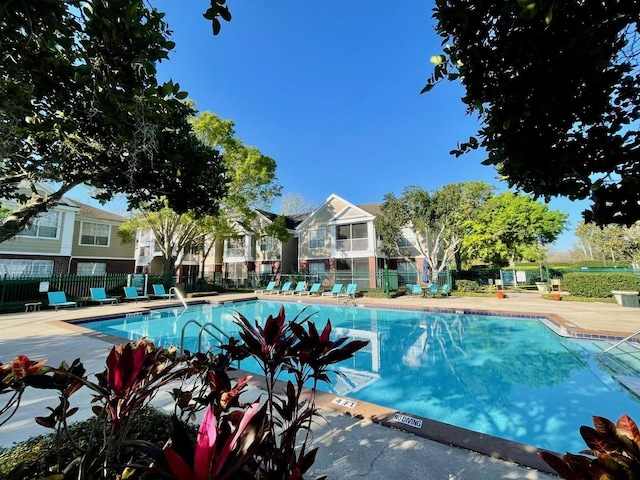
column 466, row 286
column 599, row 285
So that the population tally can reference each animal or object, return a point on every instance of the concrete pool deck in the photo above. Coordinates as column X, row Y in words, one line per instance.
column 353, row 445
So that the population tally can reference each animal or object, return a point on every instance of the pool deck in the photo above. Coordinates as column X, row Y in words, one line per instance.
column 357, row 444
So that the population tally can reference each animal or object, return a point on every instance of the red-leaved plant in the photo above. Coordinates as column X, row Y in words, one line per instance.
column 614, row 452
column 263, row 439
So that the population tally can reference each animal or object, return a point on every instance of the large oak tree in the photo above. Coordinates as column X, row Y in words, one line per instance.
column 556, row 86
column 80, row 104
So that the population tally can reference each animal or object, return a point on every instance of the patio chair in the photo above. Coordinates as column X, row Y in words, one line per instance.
column 315, row 289
column 285, row 288
column 131, row 293
column 444, row 291
column 99, row 295
column 159, row 292
column 350, row 292
column 270, row 286
column 433, row 290
column 59, row 299
column 337, row 288
column 417, row 291
column 299, row 288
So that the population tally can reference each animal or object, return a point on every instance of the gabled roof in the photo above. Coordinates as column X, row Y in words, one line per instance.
column 369, row 208
column 372, row 208
column 291, row 221
column 95, row 213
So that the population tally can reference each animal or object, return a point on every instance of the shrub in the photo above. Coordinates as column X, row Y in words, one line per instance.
column 466, row 286
column 34, row 457
column 615, row 448
column 599, row 285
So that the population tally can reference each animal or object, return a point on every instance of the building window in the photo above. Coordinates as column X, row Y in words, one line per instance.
column 86, row 269
column 95, row 234
column 26, row 268
column 316, row 270
column 317, row 238
column 235, row 271
column 45, row 225
column 270, row 247
column 407, row 238
column 407, row 272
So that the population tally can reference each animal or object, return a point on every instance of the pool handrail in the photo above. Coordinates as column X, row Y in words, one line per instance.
column 621, row 341
column 203, row 327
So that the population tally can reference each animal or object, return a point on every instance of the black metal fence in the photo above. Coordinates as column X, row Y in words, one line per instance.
column 29, row 289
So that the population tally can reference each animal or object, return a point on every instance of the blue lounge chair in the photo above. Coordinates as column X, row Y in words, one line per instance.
column 59, row 299
column 131, row 293
column 160, row 292
column 444, row 291
column 270, row 286
column 337, row 288
column 350, row 292
column 285, row 288
column 299, row 288
column 417, row 290
column 99, row 295
column 315, row 288
column 433, row 289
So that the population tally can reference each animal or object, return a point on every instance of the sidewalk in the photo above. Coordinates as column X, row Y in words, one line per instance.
column 349, row 446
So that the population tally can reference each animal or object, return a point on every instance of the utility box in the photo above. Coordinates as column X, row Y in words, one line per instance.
column 626, row 298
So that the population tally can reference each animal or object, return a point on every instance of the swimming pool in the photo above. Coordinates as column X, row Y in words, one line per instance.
column 513, row 378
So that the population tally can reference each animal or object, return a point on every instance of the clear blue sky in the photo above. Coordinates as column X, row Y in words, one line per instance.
column 331, row 90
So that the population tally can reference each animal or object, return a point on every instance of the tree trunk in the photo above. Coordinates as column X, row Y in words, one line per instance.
column 37, row 204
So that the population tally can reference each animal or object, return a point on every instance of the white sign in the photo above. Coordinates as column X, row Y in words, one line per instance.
column 344, row 403
column 412, row 422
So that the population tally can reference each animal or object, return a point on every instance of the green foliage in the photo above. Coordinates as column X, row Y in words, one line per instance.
column 599, row 285
column 174, row 233
column 508, row 227
column 564, row 135
column 613, row 449
column 376, row 293
column 33, row 457
column 80, row 104
column 596, row 264
column 436, row 221
column 466, row 286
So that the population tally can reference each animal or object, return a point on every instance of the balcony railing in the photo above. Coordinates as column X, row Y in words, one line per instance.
column 234, row 252
column 352, row 245
column 144, row 259
column 271, row 254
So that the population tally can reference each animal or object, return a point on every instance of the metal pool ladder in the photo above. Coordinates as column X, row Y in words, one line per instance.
column 204, row 327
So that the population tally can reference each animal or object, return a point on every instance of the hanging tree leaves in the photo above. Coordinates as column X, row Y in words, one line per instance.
column 556, row 86
column 80, row 104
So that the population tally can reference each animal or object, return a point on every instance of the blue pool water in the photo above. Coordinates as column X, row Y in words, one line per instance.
column 509, row 377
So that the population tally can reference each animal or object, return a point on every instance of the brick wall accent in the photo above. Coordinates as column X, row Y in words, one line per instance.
column 60, row 264
column 113, row 266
